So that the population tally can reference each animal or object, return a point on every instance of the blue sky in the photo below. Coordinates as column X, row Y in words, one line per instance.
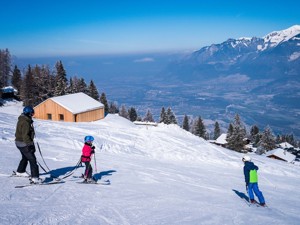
column 53, row 28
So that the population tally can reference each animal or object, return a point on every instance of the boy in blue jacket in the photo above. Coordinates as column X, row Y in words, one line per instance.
column 251, row 179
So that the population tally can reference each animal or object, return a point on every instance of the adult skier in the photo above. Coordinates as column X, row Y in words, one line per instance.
column 24, row 141
column 251, row 179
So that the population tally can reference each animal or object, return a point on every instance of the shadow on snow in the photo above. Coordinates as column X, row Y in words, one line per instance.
column 98, row 176
column 241, row 195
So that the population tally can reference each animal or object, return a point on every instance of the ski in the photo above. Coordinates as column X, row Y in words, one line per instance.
column 78, row 176
column 45, row 183
column 258, row 205
column 14, row 174
column 255, row 203
column 101, row 183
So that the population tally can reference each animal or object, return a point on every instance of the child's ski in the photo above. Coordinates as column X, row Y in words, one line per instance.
column 99, row 182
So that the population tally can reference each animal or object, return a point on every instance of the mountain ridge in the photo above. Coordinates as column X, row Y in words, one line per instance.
column 235, row 51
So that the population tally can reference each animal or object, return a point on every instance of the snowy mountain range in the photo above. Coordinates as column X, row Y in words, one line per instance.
column 158, row 175
column 275, row 55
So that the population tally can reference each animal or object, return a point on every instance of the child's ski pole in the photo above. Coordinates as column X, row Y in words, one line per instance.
column 95, row 163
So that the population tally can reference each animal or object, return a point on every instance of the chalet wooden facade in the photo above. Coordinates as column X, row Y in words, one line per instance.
column 77, row 107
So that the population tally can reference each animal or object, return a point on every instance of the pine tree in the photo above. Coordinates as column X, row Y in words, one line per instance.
column 103, row 100
column 254, row 131
column 123, row 112
column 170, row 117
column 113, row 108
column 16, row 80
column 267, row 141
column 278, row 139
column 217, row 130
column 290, row 139
column 82, row 86
column 61, row 79
column 43, row 86
column 148, row 117
column 5, row 67
column 235, row 140
column 132, row 114
column 27, row 88
column 93, row 92
column 71, row 87
column 254, row 135
column 163, row 115
column 38, row 85
column 75, row 86
column 185, row 123
column 48, row 80
column 51, row 84
column 229, row 130
column 199, row 128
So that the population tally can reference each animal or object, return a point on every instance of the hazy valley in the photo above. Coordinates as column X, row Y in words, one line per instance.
column 258, row 78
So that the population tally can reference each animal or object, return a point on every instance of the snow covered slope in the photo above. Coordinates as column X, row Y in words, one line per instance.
column 158, row 175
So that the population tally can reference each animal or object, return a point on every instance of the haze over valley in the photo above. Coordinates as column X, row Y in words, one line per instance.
column 255, row 77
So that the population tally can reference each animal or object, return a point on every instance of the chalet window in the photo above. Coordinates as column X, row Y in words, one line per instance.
column 49, row 116
column 61, row 117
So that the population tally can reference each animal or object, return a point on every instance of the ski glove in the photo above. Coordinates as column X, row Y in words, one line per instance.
column 93, row 147
column 92, row 152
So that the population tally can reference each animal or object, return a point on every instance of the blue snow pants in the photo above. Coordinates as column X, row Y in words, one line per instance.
column 253, row 187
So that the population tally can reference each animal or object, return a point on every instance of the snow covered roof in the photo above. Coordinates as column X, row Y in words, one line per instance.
column 222, row 139
column 285, row 145
column 77, row 103
column 146, row 123
column 282, row 154
column 9, row 89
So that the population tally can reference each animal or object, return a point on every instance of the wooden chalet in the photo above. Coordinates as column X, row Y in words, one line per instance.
column 285, row 145
column 221, row 140
column 77, row 107
column 281, row 154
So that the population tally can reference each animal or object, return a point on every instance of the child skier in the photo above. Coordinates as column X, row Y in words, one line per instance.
column 87, row 151
column 250, row 172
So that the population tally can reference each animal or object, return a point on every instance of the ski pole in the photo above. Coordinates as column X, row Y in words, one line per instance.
column 95, row 163
column 95, row 159
column 42, row 156
column 37, row 143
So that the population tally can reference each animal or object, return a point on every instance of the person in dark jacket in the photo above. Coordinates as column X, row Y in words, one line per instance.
column 251, row 179
column 24, row 142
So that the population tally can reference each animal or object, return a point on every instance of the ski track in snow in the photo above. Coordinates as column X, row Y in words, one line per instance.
column 159, row 175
